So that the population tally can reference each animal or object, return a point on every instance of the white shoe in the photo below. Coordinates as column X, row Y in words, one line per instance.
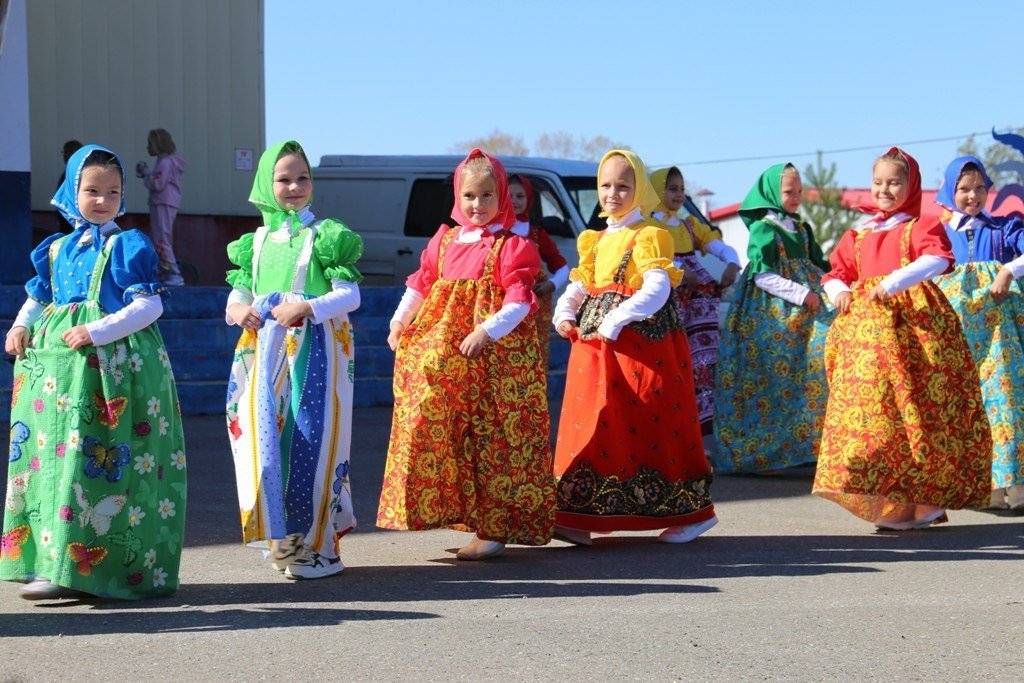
column 284, row 551
column 999, row 501
column 313, row 565
column 685, row 534
column 574, row 536
column 42, row 589
column 479, row 549
column 935, row 517
column 1015, row 497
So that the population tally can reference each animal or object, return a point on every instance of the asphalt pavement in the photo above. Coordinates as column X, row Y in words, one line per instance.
column 787, row 586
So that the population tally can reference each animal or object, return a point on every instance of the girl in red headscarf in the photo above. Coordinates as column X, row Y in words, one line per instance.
column 905, row 435
column 521, row 190
column 470, row 434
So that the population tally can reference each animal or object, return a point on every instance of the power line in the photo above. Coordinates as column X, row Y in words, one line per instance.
column 864, row 148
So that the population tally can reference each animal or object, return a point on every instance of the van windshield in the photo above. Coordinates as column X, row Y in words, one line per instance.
column 583, row 191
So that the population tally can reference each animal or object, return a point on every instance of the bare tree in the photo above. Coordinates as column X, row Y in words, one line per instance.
column 559, row 145
column 564, row 145
column 497, row 142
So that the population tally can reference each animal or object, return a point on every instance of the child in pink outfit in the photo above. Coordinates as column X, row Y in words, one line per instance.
column 164, row 185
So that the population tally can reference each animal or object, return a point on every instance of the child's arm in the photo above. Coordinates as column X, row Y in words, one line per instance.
column 143, row 311
column 553, row 259
column 19, row 337
column 652, row 254
column 763, row 253
column 1014, row 268
column 934, row 256
column 564, row 318
column 517, row 267
column 842, row 273
column 417, row 287
column 156, row 180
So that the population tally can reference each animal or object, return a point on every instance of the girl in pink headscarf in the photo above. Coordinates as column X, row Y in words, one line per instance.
column 470, row 434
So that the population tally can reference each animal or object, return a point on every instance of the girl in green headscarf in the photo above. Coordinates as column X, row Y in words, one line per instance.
column 770, row 389
column 289, row 408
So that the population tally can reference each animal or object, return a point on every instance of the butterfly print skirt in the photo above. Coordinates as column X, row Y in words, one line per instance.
column 96, row 489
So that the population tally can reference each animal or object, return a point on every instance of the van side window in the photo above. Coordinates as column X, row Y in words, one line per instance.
column 430, row 204
column 547, row 211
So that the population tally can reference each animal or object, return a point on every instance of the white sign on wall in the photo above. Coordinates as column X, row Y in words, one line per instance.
column 243, row 159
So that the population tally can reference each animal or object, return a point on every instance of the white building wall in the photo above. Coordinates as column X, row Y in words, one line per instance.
column 108, row 71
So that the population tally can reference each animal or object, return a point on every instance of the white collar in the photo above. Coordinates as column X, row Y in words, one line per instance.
column 105, row 229
column 627, row 220
column 521, row 228
column 961, row 221
column 667, row 218
column 876, row 224
column 783, row 221
column 469, row 234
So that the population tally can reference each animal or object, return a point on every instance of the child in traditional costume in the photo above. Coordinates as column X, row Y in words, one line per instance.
column 770, row 384
column 521, row 190
column 96, row 481
column 983, row 292
column 698, row 296
column 289, row 405
column 469, row 438
column 629, row 454
column 905, row 435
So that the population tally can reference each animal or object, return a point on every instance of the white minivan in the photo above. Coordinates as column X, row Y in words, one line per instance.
column 396, row 203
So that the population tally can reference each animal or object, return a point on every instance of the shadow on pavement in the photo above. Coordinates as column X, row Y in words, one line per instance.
column 613, row 567
column 57, row 621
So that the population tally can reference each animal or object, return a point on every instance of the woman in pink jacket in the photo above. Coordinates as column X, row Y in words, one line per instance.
column 164, row 185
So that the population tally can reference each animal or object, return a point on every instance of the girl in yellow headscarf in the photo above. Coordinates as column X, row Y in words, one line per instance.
column 697, row 297
column 629, row 384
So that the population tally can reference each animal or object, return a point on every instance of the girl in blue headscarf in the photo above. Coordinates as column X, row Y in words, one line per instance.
column 96, row 482
column 983, row 291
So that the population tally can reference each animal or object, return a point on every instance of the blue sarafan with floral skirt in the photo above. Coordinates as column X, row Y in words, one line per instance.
column 994, row 329
column 96, row 481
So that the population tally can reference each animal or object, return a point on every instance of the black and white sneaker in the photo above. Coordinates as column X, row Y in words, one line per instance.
column 313, row 565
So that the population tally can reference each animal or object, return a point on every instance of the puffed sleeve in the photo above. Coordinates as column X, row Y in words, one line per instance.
column 1013, row 229
column 653, row 249
column 586, row 245
column 702, row 232
column 517, row 269
column 762, row 251
column 133, row 265
column 928, row 236
column 240, row 253
column 338, row 248
column 39, row 287
column 549, row 252
column 425, row 277
column 842, row 261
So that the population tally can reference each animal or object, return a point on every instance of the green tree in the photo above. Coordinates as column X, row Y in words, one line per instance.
column 823, row 203
column 994, row 153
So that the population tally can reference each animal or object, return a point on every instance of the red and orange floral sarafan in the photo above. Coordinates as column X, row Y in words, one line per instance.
column 905, row 424
column 629, row 454
column 469, row 443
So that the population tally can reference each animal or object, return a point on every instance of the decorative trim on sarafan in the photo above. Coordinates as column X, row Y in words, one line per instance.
column 596, row 307
column 647, row 493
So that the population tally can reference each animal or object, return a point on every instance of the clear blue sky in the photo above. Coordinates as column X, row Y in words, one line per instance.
column 677, row 81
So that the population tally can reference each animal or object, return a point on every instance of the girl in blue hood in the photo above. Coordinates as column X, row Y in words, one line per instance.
column 989, row 302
